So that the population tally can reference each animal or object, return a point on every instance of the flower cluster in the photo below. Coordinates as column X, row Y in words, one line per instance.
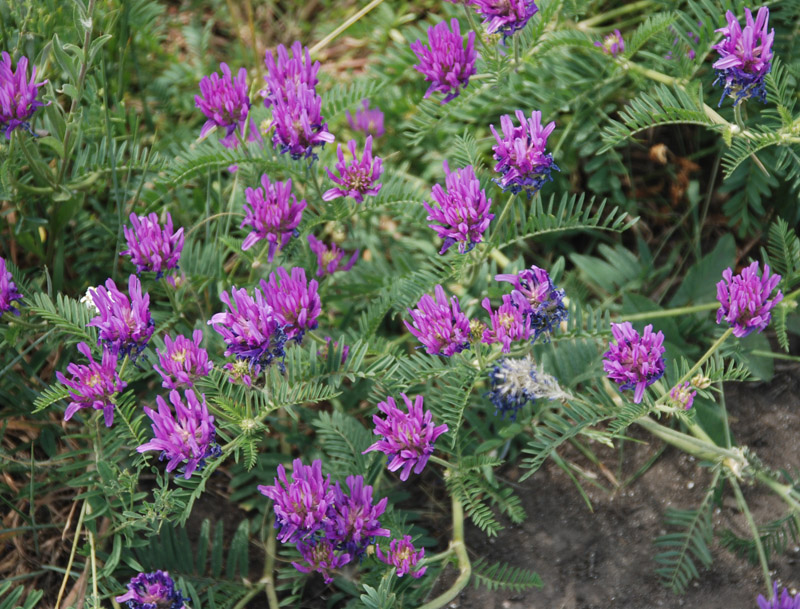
column 183, row 361
column 124, row 323
column 407, row 438
column 521, row 159
column 225, row 101
column 745, row 56
column 403, row 555
column 151, row 246
column 445, row 62
column 287, row 71
column 441, row 327
column 745, row 301
column 634, row 361
column 682, row 396
column 505, row 16
column 509, row 321
column 515, row 382
column 784, row 601
column 542, row 302
column 152, row 591
column 462, row 211
column 367, row 120
column 17, row 94
column 328, row 258
column 184, row 438
column 8, row 290
column 93, row 386
column 273, row 213
column 294, row 301
column 357, row 177
column 613, row 44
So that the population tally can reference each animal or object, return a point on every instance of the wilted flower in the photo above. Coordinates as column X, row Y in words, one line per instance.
column 294, row 301
column 288, row 71
column 226, row 102
column 515, row 382
column 745, row 299
column 328, row 258
column 785, row 601
column 441, row 327
column 509, row 321
column 273, row 212
column 613, row 44
column 745, row 56
column 184, row 438
column 93, row 386
column 301, row 506
column 124, row 324
column 520, row 155
column 407, row 438
column 353, row 521
column 634, row 361
column 298, row 123
column 542, row 301
column 682, row 396
column 403, row 555
column 8, row 290
column 462, row 211
column 183, row 361
column 152, row 591
column 446, row 63
column 320, row 555
column 505, row 16
column 368, row 120
column 151, row 246
column 358, row 177
column 17, row 94
column 242, row 371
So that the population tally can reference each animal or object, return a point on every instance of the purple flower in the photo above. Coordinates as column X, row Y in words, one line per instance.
column 250, row 329
column 784, row 602
column 124, row 324
column 273, row 212
column 406, row 438
column 520, row 155
column 509, row 322
column 403, row 555
column 542, row 301
column 745, row 56
column 302, row 505
column 505, row 16
column 17, row 94
column 152, row 591
column 368, row 120
column 515, row 382
column 358, row 177
column 93, row 386
column 8, row 290
column 151, row 246
column 183, row 361
column 463, row 211
column 441, row 327
column 242, row 371
column 320, row 555
column 745, row 299
column 226, row 102
column 298, row 123
column 613, row 44
column 187, row 439
column 328, row 258
column 325, row 351
column 634, row 361
column 288, row 71
column 353, row 522
column 682, row 396
column 294, row 301
column 446, row 64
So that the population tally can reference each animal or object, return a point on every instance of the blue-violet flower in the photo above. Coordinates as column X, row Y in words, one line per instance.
column 441, row 327
column 682, row 396
column 542, row 301
column 294, row 301
column 226, row 103
column 151, row 246
column 273, row 213
column 124, row 323
column 446, row 63
column 359, row 177
column 183, row 361
column 328, row 258
column 8, row 290
column 785, row 601
column 320, row 555
column 353, row 522
column 745, row 299
column 403, row 555
column 613, row 44
column 515, row 382
column 505, row 16
column 288, row 71
column 634, row 361
column 154, row 590
column 17, row 94
column 509, row 322
column 298, row 123
column 367, row 120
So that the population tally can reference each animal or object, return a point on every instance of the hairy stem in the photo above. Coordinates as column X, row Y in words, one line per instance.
column 762, row 557
column 646, row 315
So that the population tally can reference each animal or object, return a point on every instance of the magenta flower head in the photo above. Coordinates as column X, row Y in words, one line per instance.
column 462, row 211
column 367, row 120
column 328, row 258
column 302, row 504
column 298, row 123
column 151, row 246
column 505, row 16
column 613, row 44
column 407, row 438
column 509, row 322
column 353, row 522
column 285, row 72
column 184, row 438
column 152, row 591
column 785, row 601
column 251, row 329
column 745, row 299
column 124, row 323
column 183, row 361
column 226, row 103
column 17, row 94
column 8, row 290
column 321, row 556
column 634, row 361
column 294, row 301
column 403, row 555
column 93, row 386
column 273, row 213
column 682, row 396
column 441, row 327
column 520, row 155
column 542, row 301
column 745, row 56
column 358, row 177
column 446, row 63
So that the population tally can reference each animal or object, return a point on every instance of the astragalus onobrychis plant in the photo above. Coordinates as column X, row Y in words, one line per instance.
column 282, row 294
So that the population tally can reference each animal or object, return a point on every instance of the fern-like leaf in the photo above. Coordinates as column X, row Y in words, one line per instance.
column 502, row 576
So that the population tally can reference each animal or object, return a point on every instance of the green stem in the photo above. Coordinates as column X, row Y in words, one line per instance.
column 474, row 27
column 503, row 215
column 269, row 569
column 441, row 462
column 330, row 37
column 251, row 594
column 72, row 554
column 760, row 353
column 634, row 7
column 672, row 312
column 762, row 557
column 516, row 52
column 784, row 491
column 652, row 74
column 711, row 350
column 700, row 448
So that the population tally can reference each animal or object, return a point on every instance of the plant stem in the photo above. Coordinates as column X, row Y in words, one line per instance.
column 609, row 15
column 71, row 554
column 672, row 312
column 694, row 446
column 474, row 26
column 442, row 462
column 325, row 41
column 762, row 557
column 269, row 569
column 711, row 350
column 760, row 353
column 503, row 215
